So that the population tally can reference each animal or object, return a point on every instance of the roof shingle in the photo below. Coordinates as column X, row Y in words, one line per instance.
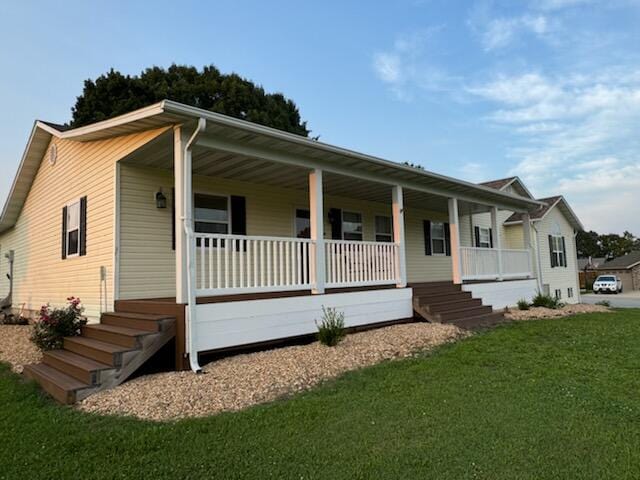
column 625, row 261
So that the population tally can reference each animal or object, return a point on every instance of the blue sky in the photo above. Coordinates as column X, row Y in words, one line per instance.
column 548, row 90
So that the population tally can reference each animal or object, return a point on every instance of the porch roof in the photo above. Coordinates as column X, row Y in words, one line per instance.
column 249, row 140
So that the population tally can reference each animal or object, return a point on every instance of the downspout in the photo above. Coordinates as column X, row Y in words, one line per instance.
column 187, row 222
column 538, row 259
column 8, row 300
column 575, row 249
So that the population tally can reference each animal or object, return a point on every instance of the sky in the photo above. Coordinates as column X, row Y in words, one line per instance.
column 548, row 90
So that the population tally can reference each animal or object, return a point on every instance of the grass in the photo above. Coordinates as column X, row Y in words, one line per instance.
column 532, row 400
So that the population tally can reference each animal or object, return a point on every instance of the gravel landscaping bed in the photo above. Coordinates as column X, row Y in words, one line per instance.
column 243, row 380
column 535, row 313
column 16, row 348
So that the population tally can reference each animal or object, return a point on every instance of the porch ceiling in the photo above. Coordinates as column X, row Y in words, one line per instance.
column 215, row 163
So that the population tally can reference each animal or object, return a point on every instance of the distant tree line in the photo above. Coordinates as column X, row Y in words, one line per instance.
column 611, row 245
column 114, row 94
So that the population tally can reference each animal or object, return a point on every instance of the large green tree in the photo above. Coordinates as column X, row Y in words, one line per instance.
column 113, row 94
column 592, row 244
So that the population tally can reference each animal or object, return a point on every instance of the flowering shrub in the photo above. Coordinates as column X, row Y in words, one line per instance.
column 55, row 324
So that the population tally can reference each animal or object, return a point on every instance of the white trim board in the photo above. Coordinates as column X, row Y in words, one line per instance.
column 227, row 324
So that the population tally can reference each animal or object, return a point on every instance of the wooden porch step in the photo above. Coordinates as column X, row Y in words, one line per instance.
column 59, row 385
column 453, row 305
column 81, row 368
column 139, row 321
column 125, row 336
column 428, row 299
column 481, row 321
column 435, row 288
column 103, row 352
column 467, row 312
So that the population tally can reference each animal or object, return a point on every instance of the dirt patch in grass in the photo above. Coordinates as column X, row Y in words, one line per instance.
column 16, row 348
column 535, row 313
column 241, row 381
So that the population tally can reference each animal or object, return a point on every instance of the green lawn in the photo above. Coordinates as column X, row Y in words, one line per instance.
column 544, row 399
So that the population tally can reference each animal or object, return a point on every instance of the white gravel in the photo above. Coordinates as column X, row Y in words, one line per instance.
column 16, row 348
column 240, row 381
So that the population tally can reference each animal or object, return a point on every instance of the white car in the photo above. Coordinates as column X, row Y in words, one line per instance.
column 607, row 284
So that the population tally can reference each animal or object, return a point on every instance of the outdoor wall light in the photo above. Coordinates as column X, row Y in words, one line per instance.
column 161, row 200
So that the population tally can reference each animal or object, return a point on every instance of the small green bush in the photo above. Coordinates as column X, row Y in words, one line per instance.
column 523, row 304
column 604, row 303
column 547, row 301
column 55, row 324
column 331, row 328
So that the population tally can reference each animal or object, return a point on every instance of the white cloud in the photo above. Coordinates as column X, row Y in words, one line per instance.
column 472, row 171
column 388, row 67
column 500, row 32
column 405, row 68
column 578, row 136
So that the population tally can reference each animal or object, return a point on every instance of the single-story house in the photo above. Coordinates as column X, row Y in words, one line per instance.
column 175, row 222
column 627, row 267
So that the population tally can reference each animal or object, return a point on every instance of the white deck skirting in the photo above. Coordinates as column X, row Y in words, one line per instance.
column 227, row 324
column 502, row 294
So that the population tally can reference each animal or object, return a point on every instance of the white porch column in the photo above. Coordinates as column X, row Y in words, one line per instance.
column 454, row 238
column 526, row 236
column 495, row 238
column 398, row 235
column 316, row 220
column 179, row 141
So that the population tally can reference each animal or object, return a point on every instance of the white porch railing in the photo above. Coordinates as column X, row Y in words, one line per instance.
column 229, row 264
column 351, row 264
column 484, row 263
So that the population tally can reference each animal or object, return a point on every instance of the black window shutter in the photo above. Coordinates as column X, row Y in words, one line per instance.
column 564, row 253
column 447, row 239
column 476, row 232
column 238, row 215
column 553, row 257
column 64, row 233
column 491, row 237
column 427, row 236
column 335, row 220
column 83, row 226
column 173, row 219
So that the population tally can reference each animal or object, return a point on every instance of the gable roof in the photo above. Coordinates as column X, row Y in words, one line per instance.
column 502, row 183
column 231, row 131
column 542, row 211
column 590, row 262
column 624, row 262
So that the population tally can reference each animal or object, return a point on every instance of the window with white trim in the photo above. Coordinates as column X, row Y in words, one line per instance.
column 570, row 292
column 557, row 251
column 351, row 226
column 484, row 237
column 438, row 240
column 73, row 229
column 211, row 213
column 558, row 293
column 384, row 229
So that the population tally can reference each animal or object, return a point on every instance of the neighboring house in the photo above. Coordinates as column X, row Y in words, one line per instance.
column 627, row 267
column 555, row 227
column 588, row 270
column 242, row 233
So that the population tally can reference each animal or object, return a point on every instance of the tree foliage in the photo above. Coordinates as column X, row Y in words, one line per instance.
column 592, row 244
column 114, row 94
